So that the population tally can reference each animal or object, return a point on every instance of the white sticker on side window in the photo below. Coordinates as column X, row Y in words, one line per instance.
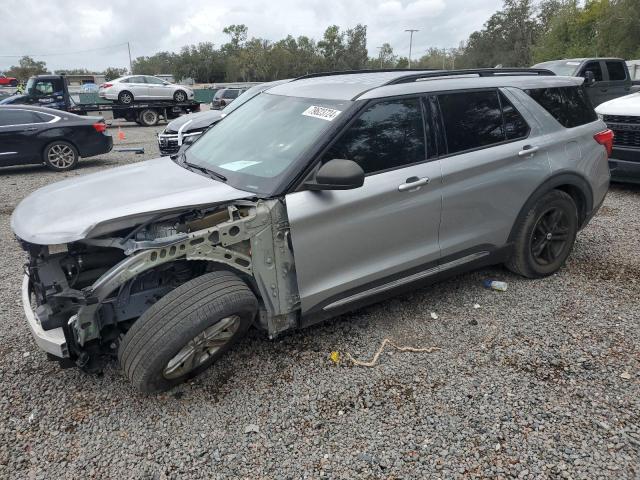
column 323, row 113
column 238, row 165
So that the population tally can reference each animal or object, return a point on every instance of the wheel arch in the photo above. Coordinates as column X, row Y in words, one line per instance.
column 573, row 184
column 58, row 139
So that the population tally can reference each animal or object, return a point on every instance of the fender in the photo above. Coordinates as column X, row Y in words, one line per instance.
column 575, row 182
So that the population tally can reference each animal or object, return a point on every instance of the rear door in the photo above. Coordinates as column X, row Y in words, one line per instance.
column 353, row 244
column 494, row 159
column 19, row 136
column 619, row 83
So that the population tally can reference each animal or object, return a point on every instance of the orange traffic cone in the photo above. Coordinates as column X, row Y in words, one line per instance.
column 121, row 134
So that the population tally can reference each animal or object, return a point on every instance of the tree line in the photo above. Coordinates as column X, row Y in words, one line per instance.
column 520, row 34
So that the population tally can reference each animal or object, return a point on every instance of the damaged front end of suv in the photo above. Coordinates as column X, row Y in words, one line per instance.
column 81, row 296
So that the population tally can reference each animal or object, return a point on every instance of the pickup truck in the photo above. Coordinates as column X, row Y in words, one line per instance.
column 606, row 78
column 622, row 115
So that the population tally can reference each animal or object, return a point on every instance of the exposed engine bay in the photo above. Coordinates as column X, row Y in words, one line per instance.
column 94, row 289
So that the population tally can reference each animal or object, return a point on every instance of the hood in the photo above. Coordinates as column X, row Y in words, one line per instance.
column 13, row 99
column 198, row 120
column 629, row 105
column 122, row 197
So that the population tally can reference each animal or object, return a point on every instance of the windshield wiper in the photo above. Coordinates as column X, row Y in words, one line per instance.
column 210, row 173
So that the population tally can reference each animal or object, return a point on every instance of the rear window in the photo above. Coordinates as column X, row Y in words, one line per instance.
column 570, row 106
column 230, row 93
column 616, row 71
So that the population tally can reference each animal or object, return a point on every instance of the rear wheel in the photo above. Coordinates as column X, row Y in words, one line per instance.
column 180, row 96
column 148, row 117
column 545, row 236
column 13, row 83
column 186, row 331
column 125, row 97
column 60, row 156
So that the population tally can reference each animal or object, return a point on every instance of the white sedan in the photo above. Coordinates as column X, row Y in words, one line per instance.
column 143, row 87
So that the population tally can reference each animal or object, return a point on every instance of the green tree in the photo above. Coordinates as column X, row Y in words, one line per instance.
column 27, row 67
column 112, row 73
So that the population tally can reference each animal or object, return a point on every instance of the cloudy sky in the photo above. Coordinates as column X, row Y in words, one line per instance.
column 61, row 31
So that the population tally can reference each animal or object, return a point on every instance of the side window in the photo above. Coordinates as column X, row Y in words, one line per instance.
column 387, row 135
column 471, row 119
column 616, row 71
column 515, row 126
column 154, row 81
column 43, row 117
column 570, row 106
column 17, row 117
column 136, row 80
column 595, row 68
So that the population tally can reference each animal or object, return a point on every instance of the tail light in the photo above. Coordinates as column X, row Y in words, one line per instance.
column 100, row 127
column 605, row 138
column 106, row 85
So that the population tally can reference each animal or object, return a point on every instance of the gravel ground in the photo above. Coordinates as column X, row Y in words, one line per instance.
column 540, row 381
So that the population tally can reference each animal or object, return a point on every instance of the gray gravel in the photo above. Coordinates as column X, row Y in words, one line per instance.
column 540, row 381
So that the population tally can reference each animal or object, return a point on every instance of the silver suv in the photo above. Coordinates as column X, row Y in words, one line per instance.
column 316, row 197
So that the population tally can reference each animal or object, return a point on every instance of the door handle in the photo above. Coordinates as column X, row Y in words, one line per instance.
column 33, row 129
column 604, row 90
column 413, row 183
column 528, row 150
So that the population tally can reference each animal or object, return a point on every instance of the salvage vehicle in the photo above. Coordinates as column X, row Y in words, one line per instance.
column 8, row 81
column 622, row 116
column 52, row 91
column 606, row 78
column 183, row 131
column 225, row 96
column 32, row 135
column 132, row 88
column 318, row 196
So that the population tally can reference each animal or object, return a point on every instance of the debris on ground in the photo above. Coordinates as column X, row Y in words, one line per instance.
column 434, row 315
column 335, row 357
column 252, row 428
column 386, row 341
column 495, row 285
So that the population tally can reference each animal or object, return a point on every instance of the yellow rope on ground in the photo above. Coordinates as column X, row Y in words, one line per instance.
column 380, row 350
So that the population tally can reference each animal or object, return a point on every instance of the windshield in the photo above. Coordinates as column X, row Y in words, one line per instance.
column 566, row 68
column 40, row 87
column 256, row 145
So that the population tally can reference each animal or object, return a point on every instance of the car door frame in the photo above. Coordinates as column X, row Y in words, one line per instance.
column 617, row 88
column 377, row 290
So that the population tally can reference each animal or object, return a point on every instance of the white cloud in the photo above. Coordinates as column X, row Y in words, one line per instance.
column 154, row 25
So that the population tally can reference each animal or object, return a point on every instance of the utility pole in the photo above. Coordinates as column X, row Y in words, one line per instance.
column 410, row 30
column 380, row 55
column 130, row 64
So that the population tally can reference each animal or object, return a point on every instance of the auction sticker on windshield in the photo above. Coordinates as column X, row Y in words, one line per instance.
column 323, row 113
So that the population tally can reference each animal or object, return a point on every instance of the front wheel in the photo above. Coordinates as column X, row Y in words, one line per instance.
column 545, row 236
column 125, row 98
column 186, row 331
column 13, row 83
column 180, row 96
column 60, row 156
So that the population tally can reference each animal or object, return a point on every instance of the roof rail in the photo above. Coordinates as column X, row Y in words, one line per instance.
column 481, row 72
column 351, row 72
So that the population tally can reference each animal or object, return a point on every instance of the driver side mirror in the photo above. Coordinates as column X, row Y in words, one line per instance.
column 337, row 174
column 589, row 78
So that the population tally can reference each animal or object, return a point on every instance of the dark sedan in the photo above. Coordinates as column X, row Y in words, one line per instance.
column 32, row 135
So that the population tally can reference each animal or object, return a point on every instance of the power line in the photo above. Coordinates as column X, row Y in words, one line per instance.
column 64, row 53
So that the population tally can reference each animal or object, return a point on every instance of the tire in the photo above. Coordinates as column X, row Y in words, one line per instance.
column 180, row 96
column 148, row 117
column 13, row 83
column 125, row 97
column 544, row 236
column 60, row 156
column 149, row 350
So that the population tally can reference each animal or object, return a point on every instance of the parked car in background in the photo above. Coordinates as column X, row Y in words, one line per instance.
column 316, row 197
column 133, row 88
column 225, row 96
column 605, row 78
column 185, row 130
column 8, row 81
column 31, row 135
column 622, row 115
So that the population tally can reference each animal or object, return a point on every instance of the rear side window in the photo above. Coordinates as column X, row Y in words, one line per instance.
column 595, row 68
column 471, row 119
column 17, row 117
column 230, row 94
column 387, row 135
column 570, row 106
column 515, row 126
column 616, row 71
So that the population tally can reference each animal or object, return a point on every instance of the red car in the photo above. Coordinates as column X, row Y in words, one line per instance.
column 8, row 81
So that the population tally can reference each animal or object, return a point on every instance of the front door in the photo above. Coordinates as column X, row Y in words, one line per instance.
column 619, row 83
column 158, row 89
column 17, row 131
column 351, row 244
